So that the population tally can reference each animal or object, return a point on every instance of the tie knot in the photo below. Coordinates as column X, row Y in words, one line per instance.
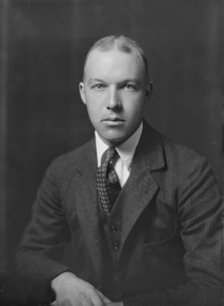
column 108, row 155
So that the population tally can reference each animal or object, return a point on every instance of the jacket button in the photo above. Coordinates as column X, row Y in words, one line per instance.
column 114, row 229
column 115, row 246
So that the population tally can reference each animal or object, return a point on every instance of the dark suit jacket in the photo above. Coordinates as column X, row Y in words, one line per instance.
column 170, row 248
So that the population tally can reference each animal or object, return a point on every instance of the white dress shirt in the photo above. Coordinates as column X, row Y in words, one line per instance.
column 125, row 151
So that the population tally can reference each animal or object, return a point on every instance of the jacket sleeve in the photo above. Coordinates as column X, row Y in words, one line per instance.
column 38, row 258
column 200, row 210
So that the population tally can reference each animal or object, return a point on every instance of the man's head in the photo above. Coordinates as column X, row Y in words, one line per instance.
column 115, row 87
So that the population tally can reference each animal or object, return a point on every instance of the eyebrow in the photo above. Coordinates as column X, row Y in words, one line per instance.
column 137, row 81
column 95, row 80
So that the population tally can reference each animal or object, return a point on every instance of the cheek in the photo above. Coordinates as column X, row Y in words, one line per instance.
column 135, row 109
column 93, row 112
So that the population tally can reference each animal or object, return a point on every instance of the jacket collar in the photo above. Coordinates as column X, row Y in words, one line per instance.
column 149, row 153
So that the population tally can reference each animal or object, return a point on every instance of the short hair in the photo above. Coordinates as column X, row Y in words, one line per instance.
column 121, row 43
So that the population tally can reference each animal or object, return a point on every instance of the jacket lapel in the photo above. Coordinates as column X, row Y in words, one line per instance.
column 141, row 187
column 87, row 207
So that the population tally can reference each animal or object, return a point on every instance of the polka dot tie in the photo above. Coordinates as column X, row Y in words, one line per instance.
column 107, row 181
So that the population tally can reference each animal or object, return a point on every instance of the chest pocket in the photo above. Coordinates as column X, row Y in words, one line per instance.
column 160, row 224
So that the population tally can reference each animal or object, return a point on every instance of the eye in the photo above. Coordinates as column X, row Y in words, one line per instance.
column 99, row 86
column 130, row 86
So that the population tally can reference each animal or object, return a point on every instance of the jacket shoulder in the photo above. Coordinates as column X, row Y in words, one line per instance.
column 172, row 151
column 185, row 164
column 71, row 160
column 180, row 153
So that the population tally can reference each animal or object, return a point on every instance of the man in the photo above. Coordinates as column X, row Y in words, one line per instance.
column 143, row 215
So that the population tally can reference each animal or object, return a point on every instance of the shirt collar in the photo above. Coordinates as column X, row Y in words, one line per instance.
column 126, row 150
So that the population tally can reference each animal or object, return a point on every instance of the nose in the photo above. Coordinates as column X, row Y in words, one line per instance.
column 114, row 99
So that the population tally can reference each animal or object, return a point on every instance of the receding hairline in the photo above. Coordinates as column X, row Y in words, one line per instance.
column 121, row 43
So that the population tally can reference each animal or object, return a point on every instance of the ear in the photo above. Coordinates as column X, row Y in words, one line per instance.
column 149, row 89
column 82, row 92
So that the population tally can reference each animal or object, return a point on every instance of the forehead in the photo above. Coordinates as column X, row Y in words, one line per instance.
column 113, row 63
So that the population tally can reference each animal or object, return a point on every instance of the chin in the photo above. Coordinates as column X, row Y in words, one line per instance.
column 115, row 141
column 114, row 137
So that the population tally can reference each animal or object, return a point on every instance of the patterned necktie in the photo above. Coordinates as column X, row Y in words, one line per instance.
column 108, row 184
